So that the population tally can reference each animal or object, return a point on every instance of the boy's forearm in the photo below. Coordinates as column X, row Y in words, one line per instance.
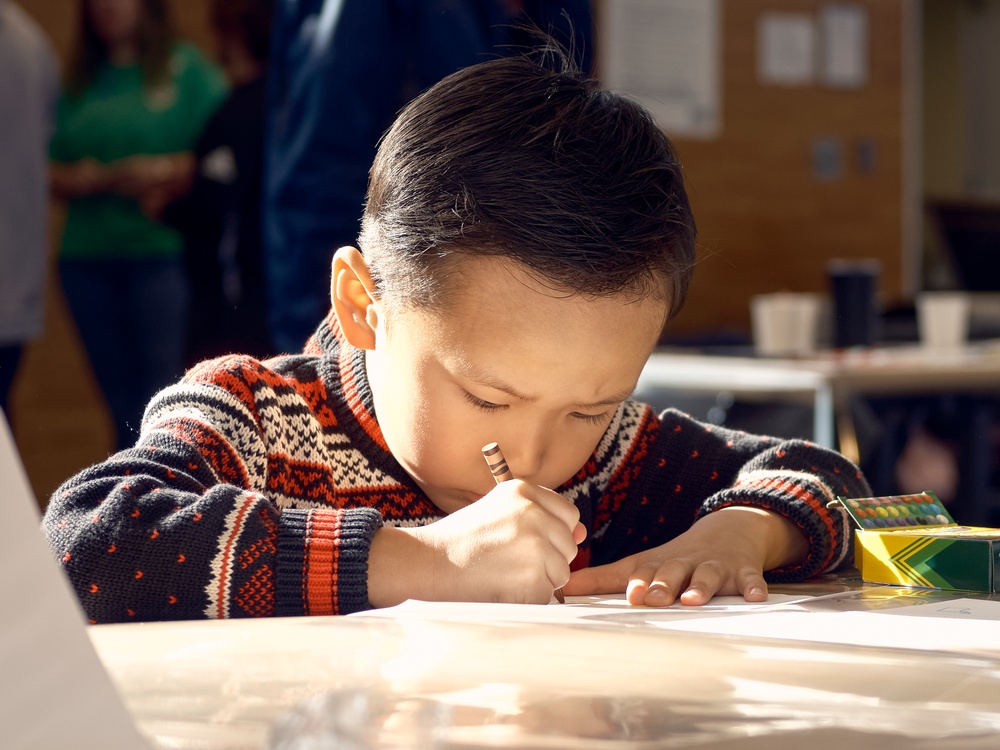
column 394, row 563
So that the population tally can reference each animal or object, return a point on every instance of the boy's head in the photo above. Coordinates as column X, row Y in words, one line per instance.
column 524, row 158
column 525, row 239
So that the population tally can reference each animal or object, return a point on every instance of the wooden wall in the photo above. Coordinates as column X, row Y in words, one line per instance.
column 766, row 222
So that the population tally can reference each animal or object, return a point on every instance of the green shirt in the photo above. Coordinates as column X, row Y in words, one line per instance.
column 115, row 117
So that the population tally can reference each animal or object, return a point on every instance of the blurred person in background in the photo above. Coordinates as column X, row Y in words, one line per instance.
column 135, row 100
column 220, row 215
column 29, row 85
column 339, row 71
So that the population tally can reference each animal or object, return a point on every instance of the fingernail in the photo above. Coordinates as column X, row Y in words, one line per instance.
column 694, row 597
column 657, row 592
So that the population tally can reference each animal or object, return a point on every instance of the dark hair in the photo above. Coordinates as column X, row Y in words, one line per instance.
column 249, row 20
column 156, row 37
column 523, row 157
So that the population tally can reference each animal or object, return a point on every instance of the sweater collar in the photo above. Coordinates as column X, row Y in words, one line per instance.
column 329, row 341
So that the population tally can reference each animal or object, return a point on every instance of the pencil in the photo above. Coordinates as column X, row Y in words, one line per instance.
column 501, row 473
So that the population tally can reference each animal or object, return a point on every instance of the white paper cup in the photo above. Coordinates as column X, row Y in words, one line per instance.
column 785, row 324
column 943, row 319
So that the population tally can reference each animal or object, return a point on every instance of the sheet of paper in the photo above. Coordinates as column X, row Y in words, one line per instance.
column 54, row 692
column 577, row 609
column 668, row 55
column 955, row 609
column 962, row 624
column 845, row 45
column 786, row 49
column 928, row 627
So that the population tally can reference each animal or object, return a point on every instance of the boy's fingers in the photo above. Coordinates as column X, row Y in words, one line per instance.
column 557, row 572
column 553, row 502
column 601, row 579
column 669, row 580
column 706, row 581
column 564, row 543
column 752, row 585
column 654, row 583
column 709, row 580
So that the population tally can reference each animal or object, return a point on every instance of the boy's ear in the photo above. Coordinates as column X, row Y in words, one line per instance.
column 353, row 294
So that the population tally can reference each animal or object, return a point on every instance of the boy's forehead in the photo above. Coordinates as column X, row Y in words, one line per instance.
column 497, row 278
column 497, row 310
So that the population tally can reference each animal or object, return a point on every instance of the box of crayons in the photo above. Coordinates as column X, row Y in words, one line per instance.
column 912, row 540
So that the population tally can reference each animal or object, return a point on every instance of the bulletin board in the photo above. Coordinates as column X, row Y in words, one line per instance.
column 808, row 161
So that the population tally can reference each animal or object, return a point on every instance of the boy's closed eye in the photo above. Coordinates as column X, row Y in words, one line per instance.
column 598, row 419
column 490, row 407
column 483, row 405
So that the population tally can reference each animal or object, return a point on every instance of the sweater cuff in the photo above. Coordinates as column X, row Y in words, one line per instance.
column 322, row 560
column 802, row 499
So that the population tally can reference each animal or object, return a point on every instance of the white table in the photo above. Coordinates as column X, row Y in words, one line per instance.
column 496, row 676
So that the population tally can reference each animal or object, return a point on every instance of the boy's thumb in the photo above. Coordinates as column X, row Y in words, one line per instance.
column 602, row 579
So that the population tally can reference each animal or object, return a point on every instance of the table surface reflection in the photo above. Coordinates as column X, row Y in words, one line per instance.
column 606, row 684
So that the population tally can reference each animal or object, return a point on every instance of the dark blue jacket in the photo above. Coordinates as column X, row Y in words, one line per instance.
column 340, row 70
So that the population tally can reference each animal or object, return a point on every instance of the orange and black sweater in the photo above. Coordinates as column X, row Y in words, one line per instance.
column 255, row 489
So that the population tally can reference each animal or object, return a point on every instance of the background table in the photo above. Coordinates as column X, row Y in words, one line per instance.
column 829, row 382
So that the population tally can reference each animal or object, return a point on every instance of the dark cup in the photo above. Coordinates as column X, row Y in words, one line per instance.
column 854, row 285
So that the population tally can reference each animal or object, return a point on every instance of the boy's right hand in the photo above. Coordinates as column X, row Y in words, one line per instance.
column 515, row 545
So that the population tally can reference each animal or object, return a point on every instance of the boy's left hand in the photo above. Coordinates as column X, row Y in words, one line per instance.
column 723, row 553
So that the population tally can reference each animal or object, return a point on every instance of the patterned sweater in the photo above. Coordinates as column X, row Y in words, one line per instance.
column 255, row 489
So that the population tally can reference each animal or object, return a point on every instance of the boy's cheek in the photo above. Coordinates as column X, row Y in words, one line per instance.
column 447, row 455
column 562, row 469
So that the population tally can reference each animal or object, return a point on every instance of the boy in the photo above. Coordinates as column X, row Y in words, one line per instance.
column 526, row 236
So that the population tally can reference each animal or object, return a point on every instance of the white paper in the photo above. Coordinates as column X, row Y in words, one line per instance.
column 786, row 49
column 54, row 692
column 900, row 627
column 845, row 45
column 577, row 609
column 667, row 54
column 955, row 609
column 963, row 625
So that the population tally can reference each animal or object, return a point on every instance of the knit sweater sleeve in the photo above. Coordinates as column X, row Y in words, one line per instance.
column 798, row 480
column 663, row 472
column 202, row 519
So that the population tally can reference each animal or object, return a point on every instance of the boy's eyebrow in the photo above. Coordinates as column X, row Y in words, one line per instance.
column 491, row 381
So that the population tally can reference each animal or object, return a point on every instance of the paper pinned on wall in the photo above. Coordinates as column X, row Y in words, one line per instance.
column 667, row 54
column 786, row 49
column 845, row 45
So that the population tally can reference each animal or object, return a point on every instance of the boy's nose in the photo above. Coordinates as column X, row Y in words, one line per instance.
column 527, row 455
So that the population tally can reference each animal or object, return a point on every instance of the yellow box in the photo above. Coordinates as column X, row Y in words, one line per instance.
column 912, row 540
